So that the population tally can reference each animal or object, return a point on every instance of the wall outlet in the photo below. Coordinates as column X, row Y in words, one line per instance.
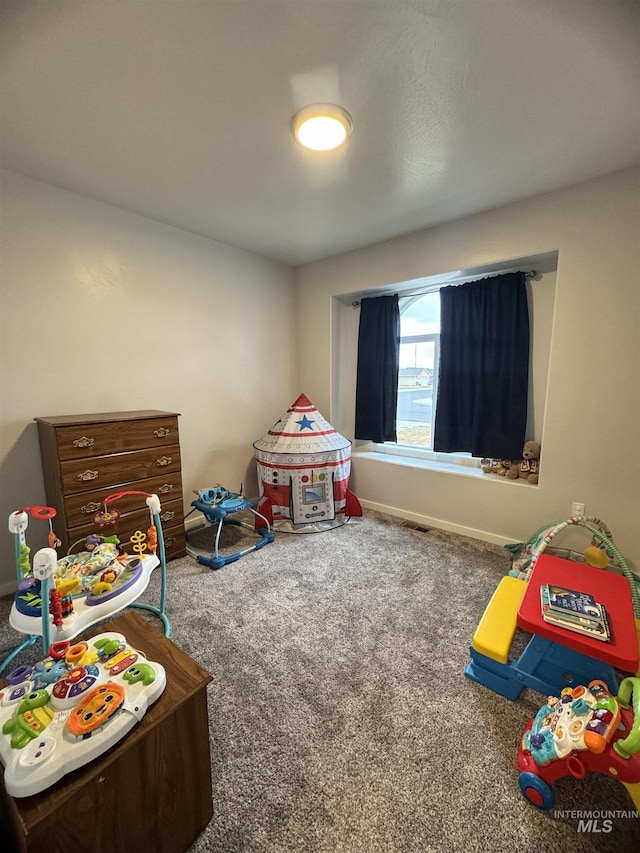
column 577, row 510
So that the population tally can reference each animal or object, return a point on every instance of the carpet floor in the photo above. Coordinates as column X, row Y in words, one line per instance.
column 339, row 715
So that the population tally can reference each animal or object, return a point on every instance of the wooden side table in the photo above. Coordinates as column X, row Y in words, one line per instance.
column 152, row 791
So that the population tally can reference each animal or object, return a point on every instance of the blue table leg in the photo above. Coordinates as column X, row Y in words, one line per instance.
column 502, row 678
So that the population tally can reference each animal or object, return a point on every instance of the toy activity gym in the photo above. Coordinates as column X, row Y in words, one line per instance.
column 58, row 599
column 81, row 698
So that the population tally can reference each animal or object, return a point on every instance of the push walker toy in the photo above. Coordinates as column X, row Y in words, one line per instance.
column 585, row 730
column 57, row 599
column 71, row 707
column 217, row 504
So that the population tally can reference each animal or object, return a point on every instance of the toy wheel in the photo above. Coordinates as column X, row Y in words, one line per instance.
column 535, row 790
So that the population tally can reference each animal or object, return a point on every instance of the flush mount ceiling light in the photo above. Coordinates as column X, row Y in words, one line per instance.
column 321, row 127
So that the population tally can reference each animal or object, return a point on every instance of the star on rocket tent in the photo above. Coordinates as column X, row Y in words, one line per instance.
column 303, row 472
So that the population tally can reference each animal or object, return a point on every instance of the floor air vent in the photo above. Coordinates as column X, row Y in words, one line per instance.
column 413, row 526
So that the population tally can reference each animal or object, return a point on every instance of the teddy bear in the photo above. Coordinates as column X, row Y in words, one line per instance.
column 529, row 467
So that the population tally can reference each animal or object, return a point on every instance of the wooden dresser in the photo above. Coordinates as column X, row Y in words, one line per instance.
column 85, row 458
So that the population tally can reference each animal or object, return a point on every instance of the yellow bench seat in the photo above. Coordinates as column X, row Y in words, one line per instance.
column 497, row 627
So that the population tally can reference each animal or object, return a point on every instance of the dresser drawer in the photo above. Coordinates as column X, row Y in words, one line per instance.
column 171, row 516
column 97, row 439
column 87, row 475
column 80, row 508
column 175, row 543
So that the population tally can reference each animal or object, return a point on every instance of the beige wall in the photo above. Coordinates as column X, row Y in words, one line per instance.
column 102, row 310
column 592, row 410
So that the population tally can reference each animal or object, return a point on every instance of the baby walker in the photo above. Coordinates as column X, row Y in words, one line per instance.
column 585, row 730
column 217, row 504
column 57, row 599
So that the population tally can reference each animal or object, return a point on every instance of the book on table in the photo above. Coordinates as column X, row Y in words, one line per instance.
column 574, row 610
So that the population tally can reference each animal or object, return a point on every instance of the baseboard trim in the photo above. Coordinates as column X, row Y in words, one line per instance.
column 441, row 524
column 197, row 523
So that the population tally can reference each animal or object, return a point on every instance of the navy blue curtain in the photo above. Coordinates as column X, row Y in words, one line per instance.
column 378, row 362
column 484, row 367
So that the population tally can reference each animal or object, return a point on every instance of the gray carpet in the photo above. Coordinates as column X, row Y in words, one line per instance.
column 340, row 718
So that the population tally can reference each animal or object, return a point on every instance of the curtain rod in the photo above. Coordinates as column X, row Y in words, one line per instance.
column 529, row 274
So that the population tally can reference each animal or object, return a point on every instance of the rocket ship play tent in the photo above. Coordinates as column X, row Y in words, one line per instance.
column 303, row 472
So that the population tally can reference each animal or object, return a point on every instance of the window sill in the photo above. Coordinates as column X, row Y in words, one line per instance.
column 433, row 465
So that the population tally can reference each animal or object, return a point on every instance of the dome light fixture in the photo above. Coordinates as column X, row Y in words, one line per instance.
column 321, row 127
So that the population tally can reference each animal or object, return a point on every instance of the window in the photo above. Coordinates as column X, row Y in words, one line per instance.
column 420, row 356
column 417, row 380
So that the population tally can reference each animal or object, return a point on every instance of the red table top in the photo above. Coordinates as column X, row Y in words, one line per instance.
column 607, row 588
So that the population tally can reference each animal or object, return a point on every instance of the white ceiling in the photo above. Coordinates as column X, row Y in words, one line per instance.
column 179, row 110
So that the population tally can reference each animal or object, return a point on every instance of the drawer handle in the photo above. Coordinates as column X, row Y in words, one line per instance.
column 166, row 487
column 83, row 442
column 164, row 460
column 90, row 508
column 171, row 541
column 161, row 432
column 87, row 475
column 167, row 516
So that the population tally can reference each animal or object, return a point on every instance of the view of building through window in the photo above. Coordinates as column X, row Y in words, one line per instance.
column 417, row 381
